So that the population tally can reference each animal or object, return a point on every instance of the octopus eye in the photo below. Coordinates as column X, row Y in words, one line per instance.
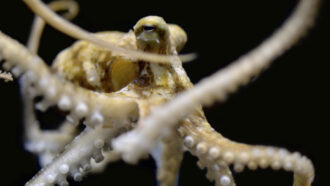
column 148, row 28
column 122, row 72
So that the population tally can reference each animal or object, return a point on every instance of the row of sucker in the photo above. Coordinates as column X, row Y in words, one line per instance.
column 217, row 171
column 211, row 147
column 77, row 158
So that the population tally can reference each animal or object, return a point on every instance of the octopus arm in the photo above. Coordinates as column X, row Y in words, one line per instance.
column 168, row 154
column 76, row 159
column 217, row 169
column 46, row 144
column 71, row 8
column 214, row 149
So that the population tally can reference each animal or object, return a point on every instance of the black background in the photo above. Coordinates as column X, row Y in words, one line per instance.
column 287, row 106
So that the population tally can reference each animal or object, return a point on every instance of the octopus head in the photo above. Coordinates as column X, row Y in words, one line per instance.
column 152, row 34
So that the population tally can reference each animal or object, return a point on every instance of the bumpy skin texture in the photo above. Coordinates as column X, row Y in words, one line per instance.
column 110, row 94
column 94, row 68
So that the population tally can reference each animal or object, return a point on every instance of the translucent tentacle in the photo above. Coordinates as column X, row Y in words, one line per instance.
column 46, row 144
column 38, row 25
column 74, row 31
column 217, row 86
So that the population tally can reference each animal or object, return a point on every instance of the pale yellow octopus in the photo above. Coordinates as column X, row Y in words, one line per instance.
column 148, row 84
column 113, row 93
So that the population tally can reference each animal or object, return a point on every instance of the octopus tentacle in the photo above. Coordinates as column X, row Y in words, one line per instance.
column 74, row 31
column 75, row 160
column 96, row 108
column 207, row 144
column 47, row 144
column 217, row 170
column 38, row 25
column 217, row 86
column 168, row 155
column 108, row 114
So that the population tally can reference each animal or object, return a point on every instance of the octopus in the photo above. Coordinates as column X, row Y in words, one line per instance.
column 126, row 96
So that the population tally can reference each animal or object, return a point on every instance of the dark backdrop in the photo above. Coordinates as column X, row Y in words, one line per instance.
column 287, row 106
